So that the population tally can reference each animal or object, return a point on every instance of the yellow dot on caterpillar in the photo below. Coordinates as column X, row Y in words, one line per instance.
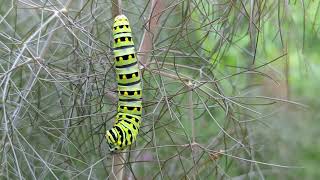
column 120, row 58
column 126, row 39
column 126, row 93
column 125, row 108
column 135, row 109
column 134, row 75
column 135, row 93
column 119, row 40
column 124, row 77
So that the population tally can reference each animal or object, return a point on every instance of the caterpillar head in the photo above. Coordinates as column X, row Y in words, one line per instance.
column 112, row 139
column 121, row 25
column 120, row 17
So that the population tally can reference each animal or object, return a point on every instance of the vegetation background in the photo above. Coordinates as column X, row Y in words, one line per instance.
column 230, row 89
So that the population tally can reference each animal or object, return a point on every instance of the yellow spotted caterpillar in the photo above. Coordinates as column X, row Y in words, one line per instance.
column 126, row 127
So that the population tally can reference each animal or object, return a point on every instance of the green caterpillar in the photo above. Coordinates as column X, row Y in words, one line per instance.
column 126, row 127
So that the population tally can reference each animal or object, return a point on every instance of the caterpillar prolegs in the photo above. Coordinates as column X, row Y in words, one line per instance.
column 126, row 127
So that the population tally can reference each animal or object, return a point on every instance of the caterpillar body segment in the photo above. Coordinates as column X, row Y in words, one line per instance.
column 126, row 127
column 130, row 93
column 130, row 107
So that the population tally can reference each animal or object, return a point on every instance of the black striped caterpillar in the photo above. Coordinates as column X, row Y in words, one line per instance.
column 126, row 127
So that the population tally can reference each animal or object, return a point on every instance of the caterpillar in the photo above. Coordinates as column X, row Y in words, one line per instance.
column 127, row 124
